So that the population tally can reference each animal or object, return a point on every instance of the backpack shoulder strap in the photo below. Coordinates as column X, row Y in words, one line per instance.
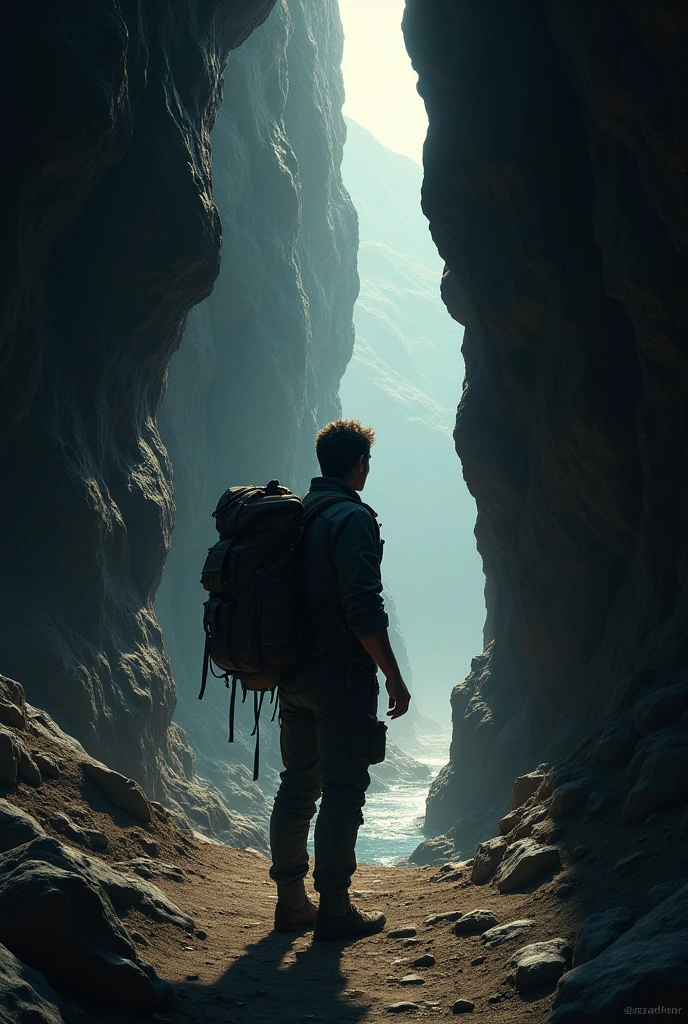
column 316, row 507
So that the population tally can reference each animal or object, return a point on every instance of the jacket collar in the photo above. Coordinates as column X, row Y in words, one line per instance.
column 333, row 483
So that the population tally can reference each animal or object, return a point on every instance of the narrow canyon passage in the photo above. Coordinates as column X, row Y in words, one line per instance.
column 402, row 377
column 208, row 252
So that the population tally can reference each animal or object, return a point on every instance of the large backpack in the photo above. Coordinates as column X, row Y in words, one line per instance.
column 253, row 618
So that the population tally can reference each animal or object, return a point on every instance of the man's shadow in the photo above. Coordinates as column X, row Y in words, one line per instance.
column 273, row 981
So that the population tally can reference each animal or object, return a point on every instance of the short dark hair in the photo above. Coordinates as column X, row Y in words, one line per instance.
column 340, row 445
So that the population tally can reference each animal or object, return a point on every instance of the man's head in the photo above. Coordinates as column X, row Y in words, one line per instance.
column 343, row 450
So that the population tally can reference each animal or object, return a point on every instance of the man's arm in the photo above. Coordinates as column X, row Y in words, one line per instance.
column 357, row 564
column 380, row 650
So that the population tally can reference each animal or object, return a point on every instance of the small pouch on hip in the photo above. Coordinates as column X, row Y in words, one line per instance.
column 370, row 740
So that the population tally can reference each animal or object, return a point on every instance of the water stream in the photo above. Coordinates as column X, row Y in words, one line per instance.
column 394, row 819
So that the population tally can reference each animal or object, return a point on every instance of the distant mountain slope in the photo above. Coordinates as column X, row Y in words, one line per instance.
column 405, row 379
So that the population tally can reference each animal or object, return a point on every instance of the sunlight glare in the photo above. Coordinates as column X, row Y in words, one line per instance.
column 379, row 81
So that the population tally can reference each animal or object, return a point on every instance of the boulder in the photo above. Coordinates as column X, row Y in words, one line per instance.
column 12, row 692
column 126, row 892
column 95, row 839
column 529, row 821
column 539, row 964
column 502, row 933
column 487, row 859
column 15, row 760
column 463, row 1006
column 568, row 798
column 646, row 967
column 432, row 851
column 509, row 821
column 426, row 960
column 28, row 769
column 525, row 786
column 447, row 915
column 149, row 846
column 12, row 703
column 92, row 838
column 546, row 833
column 65, row 927
column 25, row 995
column 16, row 827
column 599, row 931
column 11, row 715
column 122, row 792
column 524, row 861
column 660, row 766
column 475, row 922
column 9, row 758
column 407, row 932
column 48, row 765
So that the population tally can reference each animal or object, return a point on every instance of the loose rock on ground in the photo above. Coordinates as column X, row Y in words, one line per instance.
column 540, row 963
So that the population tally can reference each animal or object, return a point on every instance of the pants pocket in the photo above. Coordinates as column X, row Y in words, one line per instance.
column 370, row 740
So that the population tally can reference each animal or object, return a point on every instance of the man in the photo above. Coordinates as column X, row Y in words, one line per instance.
column 327, row 701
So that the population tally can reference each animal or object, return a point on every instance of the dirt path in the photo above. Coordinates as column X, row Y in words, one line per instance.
column 233, row 969
column 244, row 973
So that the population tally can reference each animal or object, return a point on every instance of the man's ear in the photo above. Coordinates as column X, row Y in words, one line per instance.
column 361, row 463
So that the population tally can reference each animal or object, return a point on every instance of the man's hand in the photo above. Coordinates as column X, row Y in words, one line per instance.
column 399, row 697
column 380, row 650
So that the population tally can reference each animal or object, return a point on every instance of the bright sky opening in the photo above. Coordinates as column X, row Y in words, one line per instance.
column 379, row 81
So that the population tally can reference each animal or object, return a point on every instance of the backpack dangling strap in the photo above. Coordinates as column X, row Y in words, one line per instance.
column 206, row 662
column 273, row 698
column 257, row 705
column 232, row 702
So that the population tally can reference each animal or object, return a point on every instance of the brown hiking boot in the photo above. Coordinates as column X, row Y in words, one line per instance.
column 288, row 920
column 354, row 925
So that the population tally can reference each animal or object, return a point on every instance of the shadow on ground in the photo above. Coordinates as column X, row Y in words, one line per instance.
column 285, row 978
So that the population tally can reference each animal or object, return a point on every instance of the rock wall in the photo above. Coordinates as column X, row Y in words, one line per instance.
column 556, row 192
column 109, row 237
column 259, row 367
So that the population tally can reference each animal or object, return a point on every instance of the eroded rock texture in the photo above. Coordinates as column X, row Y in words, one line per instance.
column 259, row 367
column 556, row 191
column 109, row 237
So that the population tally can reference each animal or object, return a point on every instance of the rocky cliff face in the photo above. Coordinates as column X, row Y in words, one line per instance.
column 109, row 237
column 259, row 368
column 556, row 193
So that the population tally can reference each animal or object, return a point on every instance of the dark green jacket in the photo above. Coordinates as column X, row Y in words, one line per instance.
column 342, row 564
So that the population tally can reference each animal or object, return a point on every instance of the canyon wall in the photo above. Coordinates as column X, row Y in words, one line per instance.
column 259, row 367
column 109, row 237
column 556, row 192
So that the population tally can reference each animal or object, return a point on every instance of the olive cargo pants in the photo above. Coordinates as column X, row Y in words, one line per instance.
column 320, row 702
